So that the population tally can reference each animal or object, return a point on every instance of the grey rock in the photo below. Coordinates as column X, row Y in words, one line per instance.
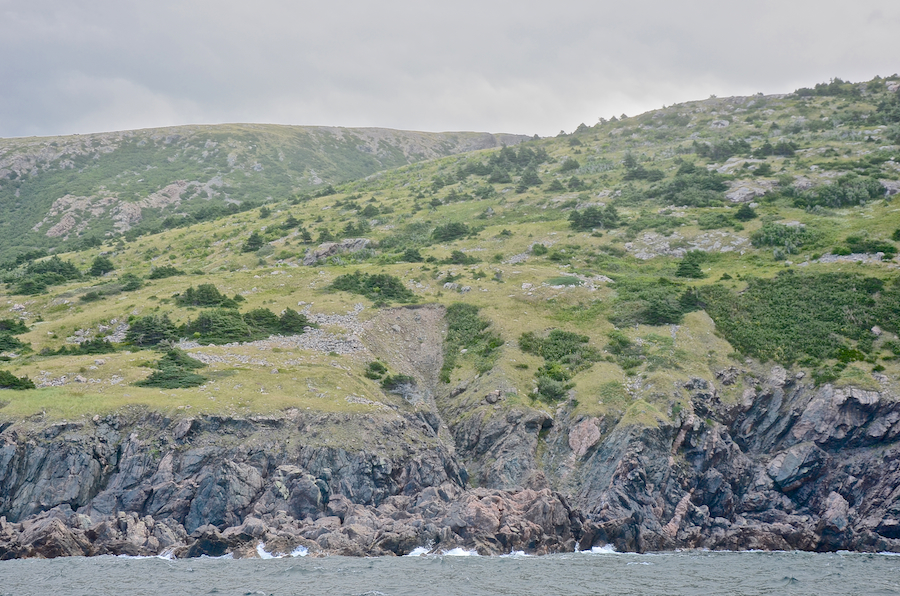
column 330, row 249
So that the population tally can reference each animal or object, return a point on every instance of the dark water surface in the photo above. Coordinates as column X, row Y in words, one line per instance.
column 599, row 573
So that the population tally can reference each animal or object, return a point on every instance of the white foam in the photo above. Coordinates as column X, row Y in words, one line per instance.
column 517, row 554
column 418, row 551
column 263, row 553
column 606, row 549
column 460, row 552
column 300, row 551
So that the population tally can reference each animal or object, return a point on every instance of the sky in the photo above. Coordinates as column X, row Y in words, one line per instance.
column 518, row 66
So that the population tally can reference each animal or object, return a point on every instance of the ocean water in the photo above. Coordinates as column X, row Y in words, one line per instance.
column 597, row 573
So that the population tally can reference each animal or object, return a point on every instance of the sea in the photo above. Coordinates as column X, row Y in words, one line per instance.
column 597, row 572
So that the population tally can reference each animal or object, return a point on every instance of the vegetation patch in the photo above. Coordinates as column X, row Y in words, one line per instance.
column 10, row 381
column 468, row 331
column 804, row 317
column 164, row 271
column 381, row 288
column 174, row 371
column 564, row 353
column 205, row 295
column 651, row 302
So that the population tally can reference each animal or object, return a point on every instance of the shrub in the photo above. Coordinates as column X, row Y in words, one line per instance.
column 101, row 266
column 467, row 330
column 594, row 217
column 173, row 371
column 130, row 282
column 13, row 326
column 648, row 302
column 689, row 266
column 564, row 354
column 694, row 187
column 628, row 354
column 569, row 165
column 10, row 381
column 745, row 213
column 458, row 257
column 8, row 343
column 66, row 270
column 556, row 186
column 380, row 287
column 92, row 346
column 861, row 244
column 847, row 190
column 219, row 326
column 150, row 330
column 292, row 323
column 411, row 255
column 802, row 316
column 163, row 272
column 253, row 243
column 206, row 295
column 790, row 238
column 713, row 221
column 375, row 370
column 262, row 322
column 92, row 296
column 449, row 232
column 395, row 383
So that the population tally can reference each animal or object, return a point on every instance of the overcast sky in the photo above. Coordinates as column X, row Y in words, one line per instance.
column 502, row 66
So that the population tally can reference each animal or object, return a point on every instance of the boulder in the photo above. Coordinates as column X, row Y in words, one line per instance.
column 329, row 249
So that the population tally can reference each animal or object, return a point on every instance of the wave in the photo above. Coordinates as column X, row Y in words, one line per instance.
column 460, row 552
column 300, row 551
column 516, row 554
column 606, row 549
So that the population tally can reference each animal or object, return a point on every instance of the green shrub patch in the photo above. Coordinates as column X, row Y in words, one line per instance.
column 804, row 317
column 10, row 381
column 380, row 287
column 468, row 331
column 174, row 371
column 564, row 353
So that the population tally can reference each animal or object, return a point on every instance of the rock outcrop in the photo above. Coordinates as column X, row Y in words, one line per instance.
column 326, row 250
column 791, row 467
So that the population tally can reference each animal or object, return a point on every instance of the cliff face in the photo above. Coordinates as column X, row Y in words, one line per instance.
column 793, row 467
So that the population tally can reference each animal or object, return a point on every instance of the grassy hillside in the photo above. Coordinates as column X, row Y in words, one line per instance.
column 603, row 269
column 71, row 192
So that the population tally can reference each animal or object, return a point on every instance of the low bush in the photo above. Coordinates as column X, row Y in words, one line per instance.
column 150, row 330
column 449, row 232
column 380, row 287
column 205, row 295
column 13, row 326
column 219, row 326
column 564, row 354
column 804, row 317
column 467, row 330
column 10, row 381
column 174, row 371
column 164, row 271
column 101, row 266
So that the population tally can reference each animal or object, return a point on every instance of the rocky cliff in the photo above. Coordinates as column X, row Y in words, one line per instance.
column 792, row 467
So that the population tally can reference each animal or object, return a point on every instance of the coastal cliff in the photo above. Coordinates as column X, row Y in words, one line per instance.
column 791, row 467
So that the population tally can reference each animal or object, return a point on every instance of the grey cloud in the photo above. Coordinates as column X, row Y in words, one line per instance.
column 500, row 66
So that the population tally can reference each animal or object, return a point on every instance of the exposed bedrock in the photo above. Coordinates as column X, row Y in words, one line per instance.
column 792, row 467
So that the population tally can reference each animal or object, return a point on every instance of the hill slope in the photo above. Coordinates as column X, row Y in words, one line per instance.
column 685, row 323
column 84, row 187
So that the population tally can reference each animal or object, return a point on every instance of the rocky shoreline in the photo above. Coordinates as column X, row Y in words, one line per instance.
column 791, row 467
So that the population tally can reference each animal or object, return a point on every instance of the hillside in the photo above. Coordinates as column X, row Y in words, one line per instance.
column 70, row 192
column 678, row 329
